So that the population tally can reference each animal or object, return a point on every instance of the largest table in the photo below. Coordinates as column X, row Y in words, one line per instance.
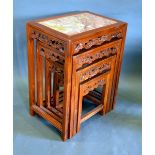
column 59, row 40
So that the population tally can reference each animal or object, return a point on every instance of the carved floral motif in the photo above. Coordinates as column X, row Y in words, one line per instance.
column 94, row 71
column 50, row 41
column 96, row 41
column 92, row 86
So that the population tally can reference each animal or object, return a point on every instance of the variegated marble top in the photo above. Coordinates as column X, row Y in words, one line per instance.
column 78, row 23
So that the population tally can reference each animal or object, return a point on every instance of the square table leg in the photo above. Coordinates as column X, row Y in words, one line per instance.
column 31, row 70
column 67, row 93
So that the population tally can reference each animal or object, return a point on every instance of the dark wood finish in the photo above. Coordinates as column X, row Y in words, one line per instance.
column 80, row 63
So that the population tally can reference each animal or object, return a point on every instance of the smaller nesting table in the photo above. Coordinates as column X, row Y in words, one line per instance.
column 70, row 58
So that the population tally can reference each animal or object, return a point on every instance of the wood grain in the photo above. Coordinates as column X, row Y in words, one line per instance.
column 78, row 62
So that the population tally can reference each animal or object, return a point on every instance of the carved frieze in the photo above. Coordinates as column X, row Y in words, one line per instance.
column 50, row 41
column 56, row 62
column 92, row 86
column 94, row 71
column 89, row 58
column 96, row 41
column 53, row 56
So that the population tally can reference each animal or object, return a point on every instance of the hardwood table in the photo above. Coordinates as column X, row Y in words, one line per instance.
column 70, row 56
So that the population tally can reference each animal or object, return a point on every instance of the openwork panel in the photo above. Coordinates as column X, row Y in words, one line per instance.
column 91, row 56
column 56, row 61
column 51, row 55
column 86, row 88
column 87, row 44
column 51, row 41
column 94, row 71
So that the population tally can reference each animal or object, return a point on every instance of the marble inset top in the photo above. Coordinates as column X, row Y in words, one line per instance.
column 78, row 23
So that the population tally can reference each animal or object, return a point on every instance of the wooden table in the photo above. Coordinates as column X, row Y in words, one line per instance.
column 79, row 52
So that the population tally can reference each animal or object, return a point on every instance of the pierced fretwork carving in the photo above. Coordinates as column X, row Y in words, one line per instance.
column 56, row 61
column 95, row 94
column 92, row 86
column 94, row 71
column 49, row 54
column 56, row 68
column 88, row 59
column 96, row 41
column 49, row 40
column 60, row 70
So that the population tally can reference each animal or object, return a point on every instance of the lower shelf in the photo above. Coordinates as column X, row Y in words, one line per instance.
column 49, row 116
column 55, row 114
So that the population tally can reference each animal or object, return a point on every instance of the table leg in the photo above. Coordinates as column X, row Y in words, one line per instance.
column 47, row 83
column 31, row 71
column 119, row 67
column 67, row 93
column 39, row 70
column 55, row 90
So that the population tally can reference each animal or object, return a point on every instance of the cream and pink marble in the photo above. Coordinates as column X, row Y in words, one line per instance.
column 78, row 23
